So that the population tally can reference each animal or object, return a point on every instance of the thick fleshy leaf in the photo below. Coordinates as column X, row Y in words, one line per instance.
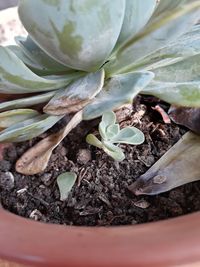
column 28, row 129
column 111, row 131
column 9, row 118
column 183, row 71
column 65, row 183
column 129, row 135
column 137, row 14
column 94, row 141
column 77, row 95
column 108, row 118
column 23, row 57
column 36, row 159
column 113, row 151
column 182, row 94
column 27, row 101
column 41, row 60
column 80, row 34
column 156, row 35
column 180, row 165
column 120, row 90
column 16, row 78
column 187, row 45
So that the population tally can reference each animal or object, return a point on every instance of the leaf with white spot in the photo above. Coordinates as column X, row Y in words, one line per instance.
column 80, row 34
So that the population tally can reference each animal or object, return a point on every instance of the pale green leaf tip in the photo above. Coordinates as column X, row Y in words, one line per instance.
column 65, row 183
column 93, row 140
column 109, row 117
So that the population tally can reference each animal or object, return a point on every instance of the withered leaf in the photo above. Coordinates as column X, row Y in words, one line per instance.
column 77, row 95
column 35, row 160
column 180, row 165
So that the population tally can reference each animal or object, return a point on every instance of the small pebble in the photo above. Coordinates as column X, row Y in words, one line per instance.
column 7, row 180
column 21, row 191
column 35, row 215
column 83, row 156
column 143, row 204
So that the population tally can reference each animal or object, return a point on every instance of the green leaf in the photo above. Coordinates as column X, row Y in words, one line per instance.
column 137, row 14
column 108, row 118
column 40, row 60
column 24, row 58
column 65, row 183
column 8, row 118
column 27, row 101
column 113, row 151
column 185, row 46
column 112, row 131
column 180, row 165
column 183, row 71
column 155, row 36
column 77, row 95
column 129, row 135
column 182, row 94
column 80, row 34
column 167, row 6
column 119, row 90
column 28, row 129
column 16, row 78
column 94, row 141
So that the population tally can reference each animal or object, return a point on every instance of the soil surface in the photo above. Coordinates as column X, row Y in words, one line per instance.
column 100, row 196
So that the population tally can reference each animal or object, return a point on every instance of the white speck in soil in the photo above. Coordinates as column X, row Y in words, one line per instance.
column 7, row 180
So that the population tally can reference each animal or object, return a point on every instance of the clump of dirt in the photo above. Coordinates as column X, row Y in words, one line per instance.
column 100, row 196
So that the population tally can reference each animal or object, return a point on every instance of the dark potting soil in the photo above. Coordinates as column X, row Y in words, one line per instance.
column 100, row 196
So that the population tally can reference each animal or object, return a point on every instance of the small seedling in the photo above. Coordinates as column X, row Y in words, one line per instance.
column 111, row 134
column 75, row 62
column 65, row 183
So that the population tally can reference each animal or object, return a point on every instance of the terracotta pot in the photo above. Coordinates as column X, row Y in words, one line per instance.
column 168, row 243
column 175, row 242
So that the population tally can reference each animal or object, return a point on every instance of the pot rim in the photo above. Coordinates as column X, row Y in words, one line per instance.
column 164, row 243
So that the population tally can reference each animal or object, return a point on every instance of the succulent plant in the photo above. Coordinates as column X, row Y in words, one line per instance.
column 87, row 57
column 111, row 134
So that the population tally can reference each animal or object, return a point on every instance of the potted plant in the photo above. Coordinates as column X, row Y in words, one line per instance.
column 81, row 60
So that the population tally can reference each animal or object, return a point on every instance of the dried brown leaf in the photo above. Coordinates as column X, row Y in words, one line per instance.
column 180, row 165
column 35, row 160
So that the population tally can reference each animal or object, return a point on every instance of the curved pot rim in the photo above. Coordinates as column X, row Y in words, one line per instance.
column 164, row 243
